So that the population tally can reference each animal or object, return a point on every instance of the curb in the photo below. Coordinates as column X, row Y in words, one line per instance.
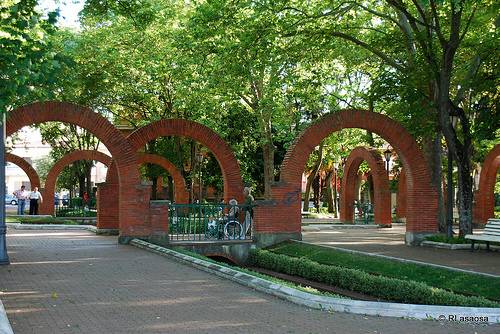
column 18, row 226
column 435, row 244
column 57, row 227
column 322, row 227
column 352, row 251
column 5, row 327
column 332, row 304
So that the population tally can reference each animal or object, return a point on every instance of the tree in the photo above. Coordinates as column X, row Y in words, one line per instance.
column 428, row 46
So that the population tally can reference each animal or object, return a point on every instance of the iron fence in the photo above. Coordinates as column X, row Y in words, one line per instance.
column 363, row 213
column 210, row 222
column 75, row 207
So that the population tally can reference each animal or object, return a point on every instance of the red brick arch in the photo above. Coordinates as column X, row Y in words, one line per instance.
column 484, row 203
column 233, row 183
column 283, row 214
column 230, row 168
column 382, row 196
column 132, row 205
column 47, row 207
column 26, row 167
column 181, row 195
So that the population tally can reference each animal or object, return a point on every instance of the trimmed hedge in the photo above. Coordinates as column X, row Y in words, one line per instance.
column 386, row 288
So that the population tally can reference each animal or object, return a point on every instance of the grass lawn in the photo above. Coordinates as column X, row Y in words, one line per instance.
column 39, row 220
column 458, row 282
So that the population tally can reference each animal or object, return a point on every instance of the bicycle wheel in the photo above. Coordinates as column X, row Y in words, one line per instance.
column 233, row 230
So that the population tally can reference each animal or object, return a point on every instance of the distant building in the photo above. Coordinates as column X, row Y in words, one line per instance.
column 30, row 147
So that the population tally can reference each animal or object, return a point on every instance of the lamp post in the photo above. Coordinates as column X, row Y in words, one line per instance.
column 449, row 186
column 335, row 202
column 4, row 257
column 387, row 156
column 199, row 159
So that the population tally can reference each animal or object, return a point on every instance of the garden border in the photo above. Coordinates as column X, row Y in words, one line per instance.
column 330, row 304
column 352, row 251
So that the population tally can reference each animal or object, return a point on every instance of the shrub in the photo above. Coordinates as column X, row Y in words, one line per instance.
column 445, row 239
column 393, row 289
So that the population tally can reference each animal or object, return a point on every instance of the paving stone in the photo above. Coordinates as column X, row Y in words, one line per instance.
column 77, row 282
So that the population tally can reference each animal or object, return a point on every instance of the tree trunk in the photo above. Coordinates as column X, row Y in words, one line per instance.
column 307, row 193
column 154, row 193
column 329, row 192
column 268, row 151
column 170, row 183
column 317, row 192
column 312, row 175
column 433, row 152
column 371, row 190
column 464, row 197
column 335, row 195
column 81, row 184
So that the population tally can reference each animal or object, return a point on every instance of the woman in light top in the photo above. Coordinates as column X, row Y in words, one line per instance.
column 35, row 198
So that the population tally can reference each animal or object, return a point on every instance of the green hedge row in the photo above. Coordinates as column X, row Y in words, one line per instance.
column 386, row 288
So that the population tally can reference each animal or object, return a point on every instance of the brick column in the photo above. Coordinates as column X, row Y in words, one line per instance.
column 278, row 219
column 107, row 208
column 401, row 196
column 158, row 217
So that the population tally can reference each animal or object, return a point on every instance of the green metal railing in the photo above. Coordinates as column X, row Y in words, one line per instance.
column 209, row 222
column 364, row 213
column 75, row 207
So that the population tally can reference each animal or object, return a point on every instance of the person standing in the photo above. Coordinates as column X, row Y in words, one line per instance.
column 35, row 198
column 247, row 191
column 21, row 196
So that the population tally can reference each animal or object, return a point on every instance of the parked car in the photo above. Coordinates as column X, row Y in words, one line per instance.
column 10, row 199
column 60, row 200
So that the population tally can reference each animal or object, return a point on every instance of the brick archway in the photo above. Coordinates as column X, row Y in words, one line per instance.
column 133, row 206
column 181, row 195
column 382, row 196
column 230, row 168
column 484, row 203
column 281, row 218
column 26, row 167
column 47, row 207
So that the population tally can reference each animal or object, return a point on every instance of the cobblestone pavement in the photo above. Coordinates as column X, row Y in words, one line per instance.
column 77, row 282
column 390, row 241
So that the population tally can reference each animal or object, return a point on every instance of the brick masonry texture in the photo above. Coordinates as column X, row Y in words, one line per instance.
column 26, row 167
column 180, row 192
column 130, row 209
column 401, row 196
column 382, row 196
column 47, row 207
column 421, row 197
column 484, row 201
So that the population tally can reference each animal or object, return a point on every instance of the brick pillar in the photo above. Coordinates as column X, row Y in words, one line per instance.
column 158, row 217
column 278, row 219
column 47, row 206
column 141, row 227
column 401, row 196
column 107, row 206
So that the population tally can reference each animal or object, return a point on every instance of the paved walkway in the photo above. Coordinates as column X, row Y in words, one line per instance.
column 77, row 282
column 390, row 241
